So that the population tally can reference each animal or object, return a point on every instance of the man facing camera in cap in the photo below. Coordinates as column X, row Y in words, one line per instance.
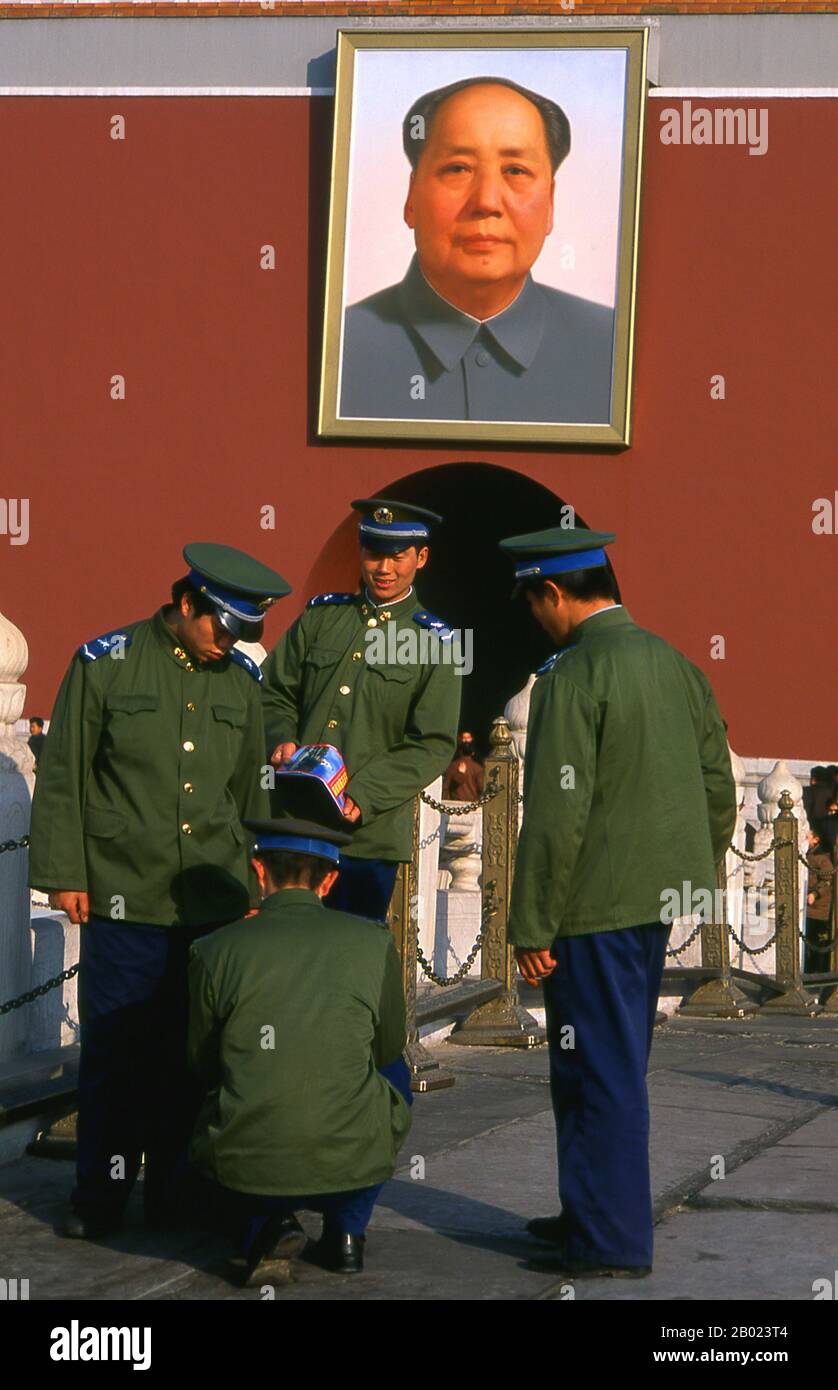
column 297, row 1026
column 370, row 673
column 628, row 792
column 152, row 761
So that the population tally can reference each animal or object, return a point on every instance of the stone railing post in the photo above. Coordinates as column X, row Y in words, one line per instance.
column 795, row 998
column 502, row 1021
column 16, row 782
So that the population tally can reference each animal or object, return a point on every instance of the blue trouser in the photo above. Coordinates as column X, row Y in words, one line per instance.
column 364, row 886
column 605, row 987
column 344, row 1213
column 136, row 1094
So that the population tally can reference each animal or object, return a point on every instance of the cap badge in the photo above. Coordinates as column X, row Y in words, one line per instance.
column 265, row 603
column 383, row 516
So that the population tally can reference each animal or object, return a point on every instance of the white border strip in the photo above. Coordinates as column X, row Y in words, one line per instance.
column 680, row 92
column 665, row 93
column 167, row 91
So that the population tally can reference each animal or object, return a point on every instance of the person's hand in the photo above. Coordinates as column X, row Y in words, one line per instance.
column 351, row 809
column 535, row 966
column 810, row 897
column 283, row 753
column 75, row 903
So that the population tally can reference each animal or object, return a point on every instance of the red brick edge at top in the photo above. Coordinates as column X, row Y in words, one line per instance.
column 157, row 9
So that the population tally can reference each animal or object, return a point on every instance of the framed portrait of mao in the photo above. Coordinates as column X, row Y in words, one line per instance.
column 482, row 252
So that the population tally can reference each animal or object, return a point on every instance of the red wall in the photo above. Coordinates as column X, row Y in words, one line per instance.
column 141, row 257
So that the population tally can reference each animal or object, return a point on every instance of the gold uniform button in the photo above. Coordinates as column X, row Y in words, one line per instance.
column 189, row 666
column 356, row 656
column 372, row 622
column 344, row 689
column 190, row 705
column 189, row 747
column 332, row 724
column 180, row 653
column 384, row 615
column 365, row 610
column 186, row 828
column 187, row 787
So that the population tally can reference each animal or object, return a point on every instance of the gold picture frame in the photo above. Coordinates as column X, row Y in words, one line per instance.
column 375, row 342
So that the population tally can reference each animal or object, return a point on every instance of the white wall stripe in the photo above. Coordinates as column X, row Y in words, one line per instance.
column 167, row 91
column 679, row 93
column 664, row 93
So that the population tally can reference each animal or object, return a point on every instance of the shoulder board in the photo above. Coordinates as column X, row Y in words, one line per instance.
column 433, row 624
column 247, row 663
column 551, row 661
column 100, row 646
column 320, row 599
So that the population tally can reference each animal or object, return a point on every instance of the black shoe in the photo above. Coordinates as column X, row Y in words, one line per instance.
column 343, row 1254
column 269, row 1259
column 562, row 1263
column 550, row 1228
column 90, row 1227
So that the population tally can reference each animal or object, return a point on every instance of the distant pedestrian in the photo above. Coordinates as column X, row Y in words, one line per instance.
column 37, row 738
column 463, row 779
column 818, row 904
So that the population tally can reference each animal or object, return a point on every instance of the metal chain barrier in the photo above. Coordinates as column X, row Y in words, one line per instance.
column 679, row 950
column 41, row 989
column 14, row 844
column 460, row 808
column 32, row 994
column 752, row 858
column 817, row 874
column 752, row 950
column 427, row 970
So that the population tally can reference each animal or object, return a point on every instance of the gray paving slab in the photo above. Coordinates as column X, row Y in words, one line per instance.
column 800, row 1170
column 725, row 1257
column 767, row 1103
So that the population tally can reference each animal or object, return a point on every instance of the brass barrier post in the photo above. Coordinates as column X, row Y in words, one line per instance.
column 426, row 1074
column 719, row 997
column 502, row 1021
column 795, row 998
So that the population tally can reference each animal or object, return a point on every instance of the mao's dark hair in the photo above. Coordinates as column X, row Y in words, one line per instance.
column 556, row 124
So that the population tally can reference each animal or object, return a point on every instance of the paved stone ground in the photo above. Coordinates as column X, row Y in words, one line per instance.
column 762, row 1094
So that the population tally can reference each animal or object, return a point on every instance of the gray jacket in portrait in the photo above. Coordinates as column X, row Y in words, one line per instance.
column 547, row 357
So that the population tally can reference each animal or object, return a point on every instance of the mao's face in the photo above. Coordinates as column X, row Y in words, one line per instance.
column 480, row 201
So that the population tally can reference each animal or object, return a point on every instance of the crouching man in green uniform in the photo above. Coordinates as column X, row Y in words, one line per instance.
column 297, row 1026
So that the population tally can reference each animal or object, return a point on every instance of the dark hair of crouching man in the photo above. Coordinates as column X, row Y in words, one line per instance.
column 297, row 1028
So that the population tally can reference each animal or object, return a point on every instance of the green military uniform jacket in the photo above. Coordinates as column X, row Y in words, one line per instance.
column 394, row 722
column 628, row 790
column 151, row 763
column 291, row 1013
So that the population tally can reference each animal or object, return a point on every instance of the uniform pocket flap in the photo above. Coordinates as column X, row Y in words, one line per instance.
column 132, row 704
column 322, row 656
column 231, row 714
column 103, row 822
column 393, row 673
